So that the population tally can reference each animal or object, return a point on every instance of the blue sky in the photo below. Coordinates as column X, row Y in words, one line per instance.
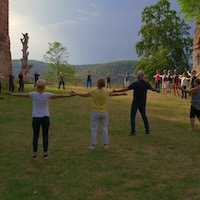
column 94, row 31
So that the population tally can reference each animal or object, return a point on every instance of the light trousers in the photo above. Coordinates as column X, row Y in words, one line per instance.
column 101, row 119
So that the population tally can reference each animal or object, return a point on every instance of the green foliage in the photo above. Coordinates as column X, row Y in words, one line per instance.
column 191, row 9
column 165, row 41
column 114, row 68
column 57, row 57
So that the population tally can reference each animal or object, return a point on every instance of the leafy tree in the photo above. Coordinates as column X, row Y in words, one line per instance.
column 57, row 57
column 191, row 9
column 165, row 40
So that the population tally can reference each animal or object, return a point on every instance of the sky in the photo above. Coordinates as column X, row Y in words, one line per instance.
column 94, row 31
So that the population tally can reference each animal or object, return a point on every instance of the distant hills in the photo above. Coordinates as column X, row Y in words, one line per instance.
column 116, row 69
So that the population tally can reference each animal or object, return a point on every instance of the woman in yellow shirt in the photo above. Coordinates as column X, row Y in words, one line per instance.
column 99, row 113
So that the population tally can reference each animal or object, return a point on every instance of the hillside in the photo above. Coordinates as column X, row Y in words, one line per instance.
column 116, row 69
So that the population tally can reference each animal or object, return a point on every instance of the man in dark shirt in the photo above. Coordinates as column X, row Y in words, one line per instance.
column 140, row 88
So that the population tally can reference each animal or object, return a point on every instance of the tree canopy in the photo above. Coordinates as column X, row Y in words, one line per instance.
column 57, row 57
column 165, row 39
column 191, row 9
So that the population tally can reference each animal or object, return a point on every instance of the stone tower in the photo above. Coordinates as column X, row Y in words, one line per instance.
column 196, row 50
column 5, row 55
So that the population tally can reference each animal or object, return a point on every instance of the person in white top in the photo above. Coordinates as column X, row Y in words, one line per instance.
column 40, row 113
column 184, row 84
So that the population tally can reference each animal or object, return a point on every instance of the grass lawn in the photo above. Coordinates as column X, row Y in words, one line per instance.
column 162, row 166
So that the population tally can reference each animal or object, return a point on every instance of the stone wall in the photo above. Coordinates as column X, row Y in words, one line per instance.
column 5, row 55
column 196, row 51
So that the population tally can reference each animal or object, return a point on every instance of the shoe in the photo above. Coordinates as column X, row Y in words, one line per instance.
column 46, row 156
column 105, row 146
column 34, row 157
column 147, row 132
column 131, row 134
column 92, row 147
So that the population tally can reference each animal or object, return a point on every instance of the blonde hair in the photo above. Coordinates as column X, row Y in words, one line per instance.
column 40, row 84
column 101, row 83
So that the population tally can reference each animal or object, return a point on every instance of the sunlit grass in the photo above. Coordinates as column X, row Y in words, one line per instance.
column 163, row 165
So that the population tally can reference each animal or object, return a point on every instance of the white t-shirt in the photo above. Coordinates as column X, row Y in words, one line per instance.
column 40, row 103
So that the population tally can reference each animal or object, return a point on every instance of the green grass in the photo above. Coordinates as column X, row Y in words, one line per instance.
column 163, row 165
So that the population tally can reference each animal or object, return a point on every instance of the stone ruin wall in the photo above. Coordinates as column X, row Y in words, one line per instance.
column 196, row 51
column 5, row 55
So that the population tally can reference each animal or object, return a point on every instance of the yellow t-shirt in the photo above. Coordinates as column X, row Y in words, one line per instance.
column 99, row 97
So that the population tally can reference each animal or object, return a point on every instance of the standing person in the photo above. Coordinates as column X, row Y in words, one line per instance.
column 140, row 88
column 157, row 78
column 193, row 76
column 36, row 77
column 195, row 102
column 89, row 79
column 169, row 80
column 61, row 81
column 165, row 81
column 21, row 81
column 108, row 81
column 11, row 82
column 126, row 79
column 99, row 114
column 184, row 83
column 40, row 114
column 175, row 82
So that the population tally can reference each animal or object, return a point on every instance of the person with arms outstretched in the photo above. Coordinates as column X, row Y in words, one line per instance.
column 99, row 114
column 40, row 113
column 140, row 88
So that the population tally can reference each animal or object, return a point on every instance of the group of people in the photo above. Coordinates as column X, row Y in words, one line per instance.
column 99, row 114
column 126, row 79
column 169, row 80
column 20, row 81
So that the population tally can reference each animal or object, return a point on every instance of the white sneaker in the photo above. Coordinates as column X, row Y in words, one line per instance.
column 105, row 146
column 91, row 147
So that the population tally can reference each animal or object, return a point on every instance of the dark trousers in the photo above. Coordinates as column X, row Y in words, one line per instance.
column 89, row 83
column 184, row 94
column 11, row 86
column 61, row 83
column 21, row 85
column 142, row 109
column 36, row 123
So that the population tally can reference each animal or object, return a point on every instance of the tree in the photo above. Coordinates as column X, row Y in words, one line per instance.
column 57, row 57
column 191, row 9
column 165, row 40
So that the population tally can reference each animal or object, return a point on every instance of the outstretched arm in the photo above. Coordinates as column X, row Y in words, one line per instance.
column 154, row 90
column 190, row 91
column 111, row 94
column 26, row 95
column 122, row 90
column 81, row 95
column 56, row 96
